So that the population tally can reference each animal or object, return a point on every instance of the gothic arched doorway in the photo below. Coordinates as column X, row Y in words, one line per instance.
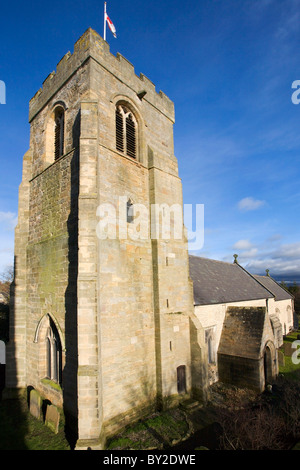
column 181, row 379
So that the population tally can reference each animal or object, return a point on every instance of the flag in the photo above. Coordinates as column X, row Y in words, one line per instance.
column 111, row 25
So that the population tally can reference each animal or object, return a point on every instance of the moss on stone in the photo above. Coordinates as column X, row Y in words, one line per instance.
column 52, row 384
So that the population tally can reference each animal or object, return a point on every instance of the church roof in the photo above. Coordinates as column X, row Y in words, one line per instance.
column 243, row 331
column 218, row 282
column 279, row 292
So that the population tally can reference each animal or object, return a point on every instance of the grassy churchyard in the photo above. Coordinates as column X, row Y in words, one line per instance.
column 19, row 430
column 289, row 353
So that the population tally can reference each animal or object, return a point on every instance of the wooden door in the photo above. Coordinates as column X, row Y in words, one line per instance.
column 181, row 379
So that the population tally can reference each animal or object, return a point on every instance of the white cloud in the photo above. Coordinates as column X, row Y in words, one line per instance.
column 250, row 253
column 291, row 251
column 282, row 260
column 276, row 267
column 250, row 204
column 8, row 220
column 243, row 245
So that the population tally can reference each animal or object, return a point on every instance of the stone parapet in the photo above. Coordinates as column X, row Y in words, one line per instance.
column 91, row 45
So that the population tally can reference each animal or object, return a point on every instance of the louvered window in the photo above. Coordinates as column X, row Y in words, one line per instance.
column 59, row 133
column 130, row 136
column 119, row 131
column 126, row 132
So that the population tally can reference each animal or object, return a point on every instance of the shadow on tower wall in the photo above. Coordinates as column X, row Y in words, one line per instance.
column 70, row 392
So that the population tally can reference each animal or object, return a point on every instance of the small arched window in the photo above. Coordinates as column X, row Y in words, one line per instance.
column 126, row 131
column 130, row 212
column 59, row 124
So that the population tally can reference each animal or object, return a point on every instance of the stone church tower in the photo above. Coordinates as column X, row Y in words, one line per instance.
column 102, row 320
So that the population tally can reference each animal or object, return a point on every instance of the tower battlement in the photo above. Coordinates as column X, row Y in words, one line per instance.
column 92, row 46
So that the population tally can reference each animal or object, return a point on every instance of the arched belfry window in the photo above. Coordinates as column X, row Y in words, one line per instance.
column 126, row 131
column 53, row 353
column 59, row 123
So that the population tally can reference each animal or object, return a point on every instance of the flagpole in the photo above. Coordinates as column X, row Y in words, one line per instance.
column 104, row 32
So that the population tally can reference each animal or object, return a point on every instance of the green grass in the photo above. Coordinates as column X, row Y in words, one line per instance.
column 291, row 336
column 157, row 431
column 291, row 370
column 166, row 424
column 19, row 430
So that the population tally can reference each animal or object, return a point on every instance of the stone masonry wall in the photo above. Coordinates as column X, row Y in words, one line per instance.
column 50, row 245
column 16, row 348
column 49, row 259
column 144, row 305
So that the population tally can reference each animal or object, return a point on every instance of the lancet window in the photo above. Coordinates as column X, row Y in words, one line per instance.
column 59, row 132
column 53, row 354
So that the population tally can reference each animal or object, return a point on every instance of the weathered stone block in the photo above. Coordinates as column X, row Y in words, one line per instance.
column 52, row 418
column 288, row 349
column 281, row 360
column 35, row 404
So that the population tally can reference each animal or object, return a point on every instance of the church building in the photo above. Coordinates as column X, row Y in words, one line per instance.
column 110, row 317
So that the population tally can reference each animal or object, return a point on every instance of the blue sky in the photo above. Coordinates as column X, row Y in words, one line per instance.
column 228, row 65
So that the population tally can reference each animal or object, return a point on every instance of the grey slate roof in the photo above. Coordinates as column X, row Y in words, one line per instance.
column 218, row 282
column 279, row 292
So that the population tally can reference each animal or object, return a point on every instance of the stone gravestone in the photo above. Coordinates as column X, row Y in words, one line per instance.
column 2, row 353
column 52, row 418
column 35, row 404
column 281, row 360
column 288, row 349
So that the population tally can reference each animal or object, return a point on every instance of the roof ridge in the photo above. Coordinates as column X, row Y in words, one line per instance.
column 277, row 284
column 256, row 280
column 214, row 260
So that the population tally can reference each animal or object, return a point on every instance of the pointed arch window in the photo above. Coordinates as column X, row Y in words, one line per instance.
column 126, row 131
column 53, row 354
column 59, row 123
